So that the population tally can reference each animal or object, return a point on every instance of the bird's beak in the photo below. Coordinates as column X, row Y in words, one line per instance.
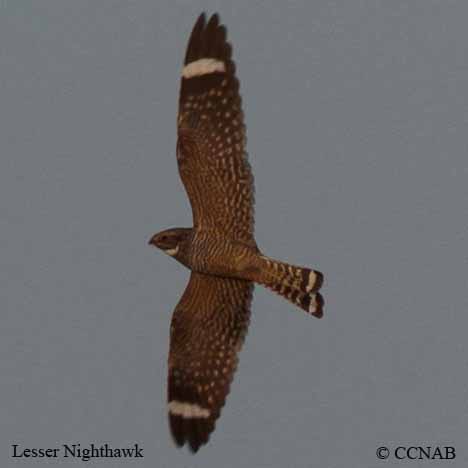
column 152, row 241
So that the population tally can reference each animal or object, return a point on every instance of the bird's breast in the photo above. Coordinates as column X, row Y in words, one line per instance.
column 215, row 255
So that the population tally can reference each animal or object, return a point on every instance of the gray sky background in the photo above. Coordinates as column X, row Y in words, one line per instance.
column 357, row 116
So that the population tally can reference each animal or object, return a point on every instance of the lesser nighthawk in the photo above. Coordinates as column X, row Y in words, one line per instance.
column 210, row 322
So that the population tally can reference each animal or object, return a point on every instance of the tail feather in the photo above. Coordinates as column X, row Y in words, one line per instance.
column 298, row 285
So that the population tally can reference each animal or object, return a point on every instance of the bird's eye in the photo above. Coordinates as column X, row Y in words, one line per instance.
column 164, row 238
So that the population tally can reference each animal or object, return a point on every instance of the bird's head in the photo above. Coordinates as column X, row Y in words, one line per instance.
column 171, row 241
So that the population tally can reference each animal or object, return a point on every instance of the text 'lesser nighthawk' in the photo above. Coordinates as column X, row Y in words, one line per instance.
column 210, row 322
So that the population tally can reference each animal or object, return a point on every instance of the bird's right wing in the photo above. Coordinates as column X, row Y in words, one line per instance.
column 207, row 331
column 211, row 151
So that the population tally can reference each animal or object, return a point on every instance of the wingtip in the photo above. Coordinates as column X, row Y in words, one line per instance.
column 189, row 431
column 214, row 20
column 201, row 20
column 206, row 38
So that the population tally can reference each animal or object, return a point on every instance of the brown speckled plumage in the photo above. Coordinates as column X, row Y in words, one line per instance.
column 211, row 320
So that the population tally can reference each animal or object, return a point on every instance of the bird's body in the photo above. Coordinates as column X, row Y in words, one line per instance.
column 217, row 255
column 211, row 320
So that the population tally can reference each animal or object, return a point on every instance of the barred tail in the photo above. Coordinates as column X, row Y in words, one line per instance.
column 298, row 285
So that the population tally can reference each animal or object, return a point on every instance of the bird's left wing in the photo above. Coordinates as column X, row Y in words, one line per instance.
column 207, row 331
column 211, row 150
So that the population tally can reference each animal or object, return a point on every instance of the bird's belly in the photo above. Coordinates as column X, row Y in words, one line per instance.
column 220, row 257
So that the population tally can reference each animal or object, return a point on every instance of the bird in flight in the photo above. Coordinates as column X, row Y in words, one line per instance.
column 210, row 322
